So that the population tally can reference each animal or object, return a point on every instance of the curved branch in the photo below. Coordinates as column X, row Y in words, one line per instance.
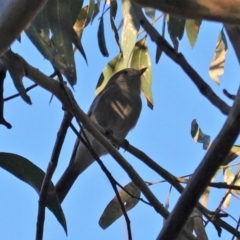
column 220, row 11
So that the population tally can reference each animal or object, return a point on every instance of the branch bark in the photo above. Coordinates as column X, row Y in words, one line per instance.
column 220, row 11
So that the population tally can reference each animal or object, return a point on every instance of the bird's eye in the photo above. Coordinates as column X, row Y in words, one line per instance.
column 125, row 72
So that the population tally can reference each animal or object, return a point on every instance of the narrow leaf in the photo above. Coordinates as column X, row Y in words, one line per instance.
column 26, row 171
column 228, row 177
column 101, row 39
column 176, row 29
column 113, row 9
column 60, row 22
column 217, row 65
column 192, row 28
column 113, row 210
column 115, row 65
column 77, row 42
column 91, row 8
column 15, row 67
column 113, row 12
column 129, row 32
column 199, row 136
column 234, row 153
column 141, row 59
column 75, row 7
column 150, row 12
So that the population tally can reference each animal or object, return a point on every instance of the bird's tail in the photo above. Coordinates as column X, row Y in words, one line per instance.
column 82, row 160
column 66, row 181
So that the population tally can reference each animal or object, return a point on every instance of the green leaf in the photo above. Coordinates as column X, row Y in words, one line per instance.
column 60, row 22
column 95, row 11
column 234, row 153
column 129, row 32
column 75, row 8
column 199, row 136
column 228, row 177
column 81, row 22
column 91, row 8
column 113, row 9
column 150, row 12
column 141, row 59
column 176, row 29
column 38, row 32
column 26, row 171
column 115, row 65
column 113, row 210
column 83, row 19
column 113, row 12
column 77, row 42
column 192, row 28
column 101, row 39
column 15, row 67
column 217, row 65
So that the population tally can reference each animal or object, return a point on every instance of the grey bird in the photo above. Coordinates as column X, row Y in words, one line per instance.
column 117, row 108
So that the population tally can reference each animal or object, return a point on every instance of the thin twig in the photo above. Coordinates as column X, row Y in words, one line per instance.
column 55, row 88
column 27, row 89
column 178, row 58
column 49, row 173
column 2, row 77
column 216, row 221
column 109, row 176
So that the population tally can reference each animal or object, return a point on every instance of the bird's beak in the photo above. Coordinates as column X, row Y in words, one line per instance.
column 141, row 71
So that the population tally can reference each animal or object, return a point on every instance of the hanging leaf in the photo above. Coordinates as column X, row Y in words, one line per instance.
column 78, row 44
column 60, row 22
column 141, row 59
column 113, row 210
column 192, row 28
column 228, row 177
column 29, row 173
column 101, row 39
column 176, row 29
column 150, row 12
column 217, row 65
column 75, row 7
column 113, row 12
column 129, row 32
column 39, row 32
column 81, row 21
column 115, row 65
column 113, row 9
column 95, row 11
column 91, row 8
column 199, row 136
column 158, row 54
column 234, row 153
column 15, row 67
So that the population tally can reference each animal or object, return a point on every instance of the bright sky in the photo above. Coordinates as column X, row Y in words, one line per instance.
column 163, row 134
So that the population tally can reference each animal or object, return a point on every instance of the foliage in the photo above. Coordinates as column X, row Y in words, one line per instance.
column 62, row 24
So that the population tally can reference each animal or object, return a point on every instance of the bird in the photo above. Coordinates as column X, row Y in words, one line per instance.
column 117, row 109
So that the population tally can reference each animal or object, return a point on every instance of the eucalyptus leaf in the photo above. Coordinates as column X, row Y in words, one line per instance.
column 113, row 210
column 15, row 67
column 141, row 59
column 129, row 32
column 101, row 38
column 199, row 136
column 29, row 173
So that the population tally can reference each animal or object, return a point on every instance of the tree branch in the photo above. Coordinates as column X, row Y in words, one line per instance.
column 220, row 11
column 49, row 173
column 178, row 58
column 203, row 174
